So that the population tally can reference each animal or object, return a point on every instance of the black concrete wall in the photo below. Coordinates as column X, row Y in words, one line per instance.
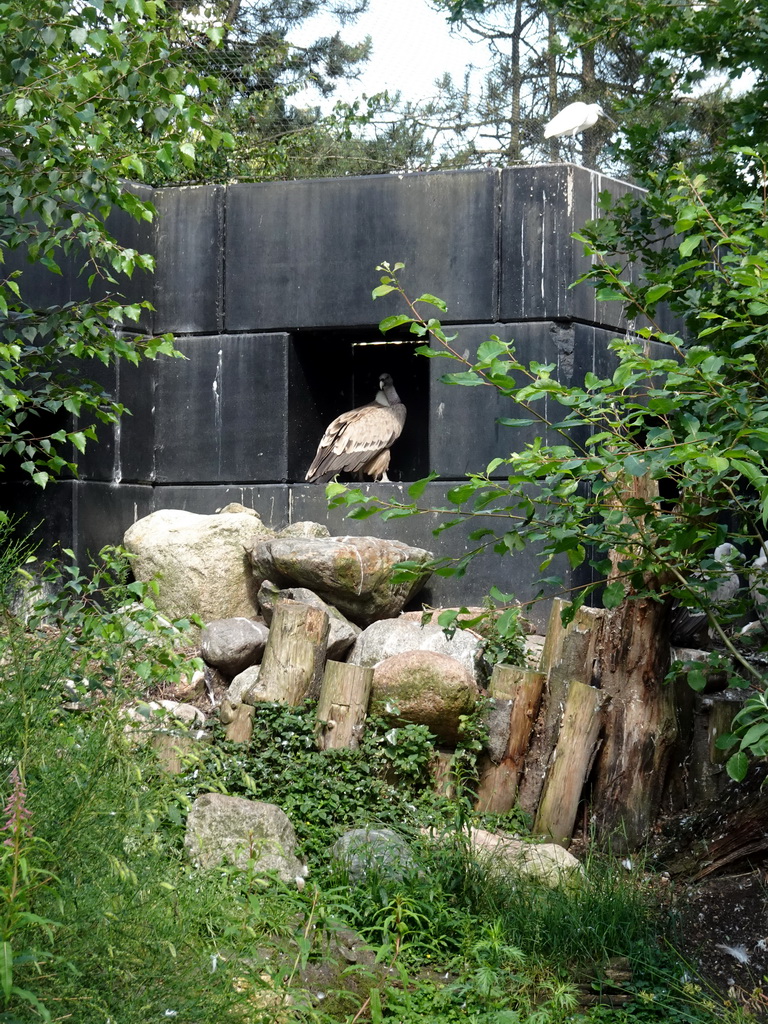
column 267, row 288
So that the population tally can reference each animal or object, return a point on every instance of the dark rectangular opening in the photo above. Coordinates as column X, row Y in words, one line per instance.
column 332, row 372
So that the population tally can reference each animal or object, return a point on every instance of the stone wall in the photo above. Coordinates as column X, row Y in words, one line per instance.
column 267, row 288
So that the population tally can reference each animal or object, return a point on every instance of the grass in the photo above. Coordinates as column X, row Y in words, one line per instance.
column 105, row 920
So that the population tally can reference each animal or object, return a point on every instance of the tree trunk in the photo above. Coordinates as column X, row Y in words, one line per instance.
column 497, row 790
column 292, row 667
column 343, row 704
column 570, row 764
column 640, row 724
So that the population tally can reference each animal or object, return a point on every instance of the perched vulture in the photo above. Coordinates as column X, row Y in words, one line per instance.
column 359, row 441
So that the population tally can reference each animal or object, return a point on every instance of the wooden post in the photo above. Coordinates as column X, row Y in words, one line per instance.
column 497, row 790
column 292, row 667
column 343, row 704
column 240, row 729
column 568, row 655
column 713, row 715
column 570, row 764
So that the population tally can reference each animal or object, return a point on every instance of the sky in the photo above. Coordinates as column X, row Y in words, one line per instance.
column 412, row 46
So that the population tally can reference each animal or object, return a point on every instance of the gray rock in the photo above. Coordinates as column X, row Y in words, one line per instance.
column 199, row 560
column 373, row 850
column 230, row 828
column 343, row 633
column 354, row 574
column 425, row 688
column 304, row 529
column 396, row 636
column 232, row 645
column 243, row 686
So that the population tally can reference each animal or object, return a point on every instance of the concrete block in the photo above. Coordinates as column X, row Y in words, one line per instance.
column 221, row 414
column 464, row 432
column 189, row 252
column 271, row 501
column 304, row 253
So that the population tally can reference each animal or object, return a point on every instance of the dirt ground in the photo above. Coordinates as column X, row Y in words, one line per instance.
column 722, row 932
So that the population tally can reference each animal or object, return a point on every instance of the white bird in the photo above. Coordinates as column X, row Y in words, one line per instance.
column 358, row 441
column 575, row 118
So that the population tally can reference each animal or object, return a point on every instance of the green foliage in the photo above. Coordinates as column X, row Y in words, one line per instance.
column 323, row 792
column 88, row 93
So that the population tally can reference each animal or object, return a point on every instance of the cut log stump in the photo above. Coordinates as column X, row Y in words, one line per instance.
column 292, row 667
column 240, row 729
column 343, row 704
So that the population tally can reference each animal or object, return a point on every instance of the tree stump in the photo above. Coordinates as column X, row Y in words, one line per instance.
column 343, row 704
column 640, row 722
column 570, row 763
column 292, row 667
column 712, row 717
column 240, row 728
column 497, row 790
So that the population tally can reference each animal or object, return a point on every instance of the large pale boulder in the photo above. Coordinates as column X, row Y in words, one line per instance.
column 243, row 832
column 200, row 561
column 388, row 637
column 425, row 688
column 546, row 862
column 232, row 645
column 354, row 574
column 342, row 633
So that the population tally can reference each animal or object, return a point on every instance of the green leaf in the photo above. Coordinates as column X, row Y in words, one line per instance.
column 433, row 301
column 657, row 292
column 6, row 969
column 614, row 594
column 389, row 322
column 381, row 290
column 737, row 766
column 690, row 243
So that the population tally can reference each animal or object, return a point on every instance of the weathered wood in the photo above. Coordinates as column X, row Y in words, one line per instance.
column 713, row 715
column 292, row 667
column 570, row 764
column 698, row 842
column 632, row 659
column 171, row 750
column 569, row 656
column 497, row 789
column 240, row 729
column 343, row 703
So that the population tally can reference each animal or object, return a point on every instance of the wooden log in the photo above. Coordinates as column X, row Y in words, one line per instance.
column 343, row 704
column 240, row 729
column 292, row 667
column 713, row 715
column 570, row 764
column 632, row 658
column 497, row 789
column 570, row 655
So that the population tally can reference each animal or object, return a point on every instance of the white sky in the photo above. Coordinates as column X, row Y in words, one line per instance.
column 412, row 46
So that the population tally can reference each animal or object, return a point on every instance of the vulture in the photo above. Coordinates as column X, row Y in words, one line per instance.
column 358, row 441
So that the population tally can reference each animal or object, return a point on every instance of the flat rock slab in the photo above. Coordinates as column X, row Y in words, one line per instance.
column 354, row 574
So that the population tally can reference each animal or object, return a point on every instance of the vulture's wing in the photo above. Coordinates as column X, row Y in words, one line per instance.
column 353, row 439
